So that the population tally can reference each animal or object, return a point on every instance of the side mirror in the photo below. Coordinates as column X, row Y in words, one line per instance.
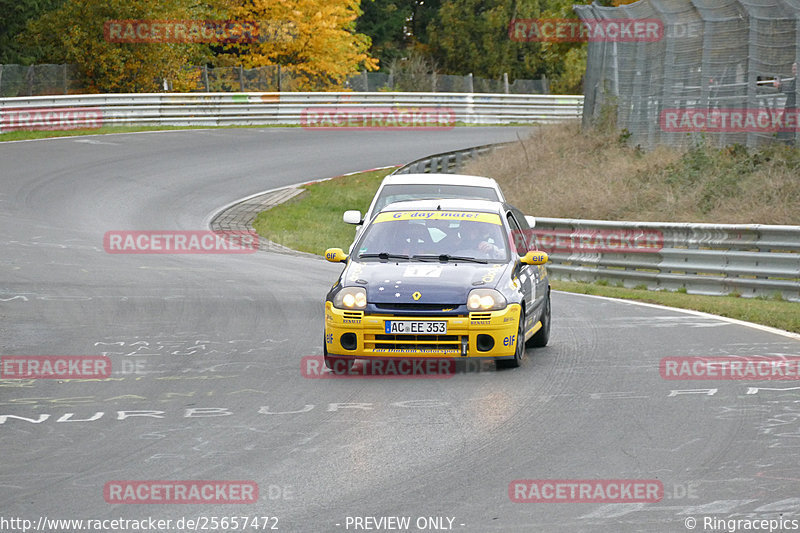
column 352, row 217
column 534, row 258
column 530, row 220
column 335, row 255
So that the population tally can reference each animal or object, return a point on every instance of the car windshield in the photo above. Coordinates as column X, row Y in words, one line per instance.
column 434, row 236
column 399, row 193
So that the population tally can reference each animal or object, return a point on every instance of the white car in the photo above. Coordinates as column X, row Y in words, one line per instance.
column 400, row 187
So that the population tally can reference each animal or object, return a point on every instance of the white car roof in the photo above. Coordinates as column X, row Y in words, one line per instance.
column 444, row 179
column 447, row 204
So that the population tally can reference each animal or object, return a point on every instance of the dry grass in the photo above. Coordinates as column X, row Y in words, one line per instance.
column 563, row 172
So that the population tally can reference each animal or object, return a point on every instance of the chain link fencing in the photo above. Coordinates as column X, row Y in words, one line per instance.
column 723, row 71
column 43, row 80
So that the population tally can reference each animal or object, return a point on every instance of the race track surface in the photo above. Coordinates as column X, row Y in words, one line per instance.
column 207, row 383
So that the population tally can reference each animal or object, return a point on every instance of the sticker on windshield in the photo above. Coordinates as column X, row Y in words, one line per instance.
column 490, row 218
column 423, row 271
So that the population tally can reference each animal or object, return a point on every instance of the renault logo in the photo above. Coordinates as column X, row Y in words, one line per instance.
column 417, row 295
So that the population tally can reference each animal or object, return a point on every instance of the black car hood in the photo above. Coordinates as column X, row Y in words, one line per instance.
column 421, row 282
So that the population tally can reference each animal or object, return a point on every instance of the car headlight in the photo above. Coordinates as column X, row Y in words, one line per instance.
column 351, row 298
column 485, row 300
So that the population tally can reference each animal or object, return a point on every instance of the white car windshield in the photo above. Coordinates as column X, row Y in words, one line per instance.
column 435, row 236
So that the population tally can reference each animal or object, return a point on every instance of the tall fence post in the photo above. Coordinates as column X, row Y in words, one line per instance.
column 280, row 79
column 205, row 78
column 241, row 78
column 29, row 77
column 469, row 80
column 505, row 82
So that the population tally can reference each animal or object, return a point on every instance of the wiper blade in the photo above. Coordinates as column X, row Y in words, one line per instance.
column 447, row 257
column 385, row 256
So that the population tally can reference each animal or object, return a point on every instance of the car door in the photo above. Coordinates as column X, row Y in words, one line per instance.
column 525, row 273
column 535, row 274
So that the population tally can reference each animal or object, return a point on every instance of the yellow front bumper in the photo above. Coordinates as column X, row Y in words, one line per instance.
column 354, row 334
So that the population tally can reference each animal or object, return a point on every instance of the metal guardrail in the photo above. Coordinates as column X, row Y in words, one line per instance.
column 446, row 162
column 747, row 259
column 223, row 109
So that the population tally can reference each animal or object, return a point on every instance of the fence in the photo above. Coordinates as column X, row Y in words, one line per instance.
column 44, row 80
column 748, row 259
column 721, row 69
column 222, row 109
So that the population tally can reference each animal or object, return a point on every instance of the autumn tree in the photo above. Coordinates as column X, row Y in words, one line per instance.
column 320, row 46
column 472, row 36
column 73, row 33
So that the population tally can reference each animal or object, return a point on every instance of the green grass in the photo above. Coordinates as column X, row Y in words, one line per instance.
column 769, row 312
column 27, row 135
column 312, row 222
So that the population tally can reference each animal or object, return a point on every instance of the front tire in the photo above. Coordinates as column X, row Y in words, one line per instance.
column 337, row 365
column 519, row 350
column 541, row 337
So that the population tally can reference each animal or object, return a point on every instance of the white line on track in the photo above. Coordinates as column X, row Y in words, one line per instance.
column 767, row 329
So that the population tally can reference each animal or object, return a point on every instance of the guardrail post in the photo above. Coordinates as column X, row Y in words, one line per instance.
column 29, row 76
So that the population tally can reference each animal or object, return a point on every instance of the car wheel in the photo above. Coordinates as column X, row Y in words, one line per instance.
column 519, row 351
column 338, row 365
column 541, row 337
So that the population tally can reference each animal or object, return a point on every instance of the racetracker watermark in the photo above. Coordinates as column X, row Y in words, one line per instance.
column 599, row 240
column 730, row 368
column 313, row 367
column 50, row 118
column 55, row 367
column 730, row 120
column 579, row 31
column 378, row 118
column 198, row 31
column 180, row 242
column 585, row 491
column 192, row 492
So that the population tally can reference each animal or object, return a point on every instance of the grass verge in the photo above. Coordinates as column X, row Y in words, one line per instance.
column 769, row 312
column 565, row 171
column 29, row 135
column 312, row 221
column 104, row 130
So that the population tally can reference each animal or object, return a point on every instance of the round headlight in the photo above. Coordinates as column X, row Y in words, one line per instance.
column 485, row 300
column 351, row 298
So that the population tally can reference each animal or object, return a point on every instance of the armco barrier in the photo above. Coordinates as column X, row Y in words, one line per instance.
column 748, row 259
column 224, row 109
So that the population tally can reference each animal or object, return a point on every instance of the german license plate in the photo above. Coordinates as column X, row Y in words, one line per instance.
column 415, row 327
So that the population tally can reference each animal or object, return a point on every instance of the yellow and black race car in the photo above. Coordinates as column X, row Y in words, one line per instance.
column 450, row 278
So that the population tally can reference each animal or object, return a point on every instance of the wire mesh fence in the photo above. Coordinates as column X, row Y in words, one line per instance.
column 39, row 80
column 721, row 70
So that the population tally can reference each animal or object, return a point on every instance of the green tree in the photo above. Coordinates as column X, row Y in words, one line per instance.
column 472, row 36
column 73, row 33
column 15, row 15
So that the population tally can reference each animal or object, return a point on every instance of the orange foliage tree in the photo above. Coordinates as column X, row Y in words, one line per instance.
column 314, row 39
